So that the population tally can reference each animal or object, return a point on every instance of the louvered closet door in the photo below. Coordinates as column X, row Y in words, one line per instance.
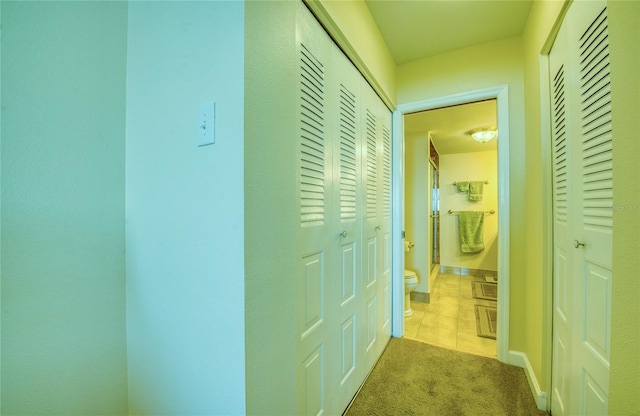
column 589, row 212
column 347, row 272
column 343, row 275
column 384, row 212
column 562, row 249
column 371, row 229
column 594, row 208
column 376, row 151
column 315, row 238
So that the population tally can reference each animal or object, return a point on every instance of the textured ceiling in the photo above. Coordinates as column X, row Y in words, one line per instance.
column 415, row 29
column 448, row 126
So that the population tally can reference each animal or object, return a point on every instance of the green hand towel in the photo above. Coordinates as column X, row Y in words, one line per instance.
column 475, row 191
column 471, row 231
column 463, row 186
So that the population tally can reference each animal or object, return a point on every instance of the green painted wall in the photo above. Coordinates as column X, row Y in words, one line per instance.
column 543, row 17
column 494, row 64
column 355, row 31
column 417, row 190
column 624, row 34
column 63, row 196
column 468, row 166
column 63, row 346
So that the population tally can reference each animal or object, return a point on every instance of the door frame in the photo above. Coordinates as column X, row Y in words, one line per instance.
column 501, row 94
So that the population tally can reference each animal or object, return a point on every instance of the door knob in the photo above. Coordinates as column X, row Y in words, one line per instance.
column 577, row 244
column 378, row 228
column 343, row 234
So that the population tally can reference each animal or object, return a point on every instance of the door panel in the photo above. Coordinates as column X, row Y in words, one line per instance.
column 314, row 281
column 371, row 222
column 348, row 273
column 595, row 398
column 384, row 290
column 346, row 300
column 372, row 332
column 370, row 299
column 562, row 194
column 348, row 350
column 314, row 243
column 377, row 224
column 314, row 382
column 595, row 213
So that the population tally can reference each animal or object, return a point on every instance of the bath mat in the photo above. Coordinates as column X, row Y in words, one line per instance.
column 491, row 279
column 486, row 320
column 484, row 290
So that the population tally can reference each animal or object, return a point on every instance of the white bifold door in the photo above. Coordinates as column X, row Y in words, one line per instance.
column 343, row 276
column 582, row 211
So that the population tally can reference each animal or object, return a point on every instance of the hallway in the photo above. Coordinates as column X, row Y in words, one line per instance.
column 449, row 320
column 414, row 378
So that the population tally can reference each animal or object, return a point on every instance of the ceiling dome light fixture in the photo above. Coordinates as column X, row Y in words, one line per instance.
column 484, row 134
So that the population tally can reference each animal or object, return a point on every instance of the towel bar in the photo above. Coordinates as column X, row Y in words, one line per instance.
column 485, row 182
column 493, row 211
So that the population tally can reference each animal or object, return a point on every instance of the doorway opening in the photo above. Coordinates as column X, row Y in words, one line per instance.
column 500, row 95
column 454, row 306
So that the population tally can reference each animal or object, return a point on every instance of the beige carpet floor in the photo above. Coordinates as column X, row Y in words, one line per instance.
column 414, row 378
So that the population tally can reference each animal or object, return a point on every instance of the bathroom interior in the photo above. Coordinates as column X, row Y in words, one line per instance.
column 451, row 227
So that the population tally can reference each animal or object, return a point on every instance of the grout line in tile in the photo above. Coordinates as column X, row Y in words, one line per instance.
column 459, row 285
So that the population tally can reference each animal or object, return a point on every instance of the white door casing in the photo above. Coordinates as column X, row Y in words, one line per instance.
column 501, row 94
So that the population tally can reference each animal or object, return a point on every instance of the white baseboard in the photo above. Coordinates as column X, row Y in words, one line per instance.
column 519, row 359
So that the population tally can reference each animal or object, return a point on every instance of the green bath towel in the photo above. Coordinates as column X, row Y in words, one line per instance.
column 475, row 191
column 463, row 186
column 471, row 231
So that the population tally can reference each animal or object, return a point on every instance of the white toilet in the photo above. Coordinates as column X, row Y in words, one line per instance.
column 410, row 283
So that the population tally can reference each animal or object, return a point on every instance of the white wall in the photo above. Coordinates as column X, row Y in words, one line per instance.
column 185, row 207
column 468, row 167
column 417, row 185
column 270, row 205
column 63, row 196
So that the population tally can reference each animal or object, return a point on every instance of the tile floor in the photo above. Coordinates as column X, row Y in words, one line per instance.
column 449, row 320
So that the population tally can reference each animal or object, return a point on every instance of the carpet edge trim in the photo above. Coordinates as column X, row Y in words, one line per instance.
column 520, row 359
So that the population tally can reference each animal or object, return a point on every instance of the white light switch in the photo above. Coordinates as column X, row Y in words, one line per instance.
column 206, row 124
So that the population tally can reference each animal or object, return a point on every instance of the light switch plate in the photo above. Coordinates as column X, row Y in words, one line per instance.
column 207, row 124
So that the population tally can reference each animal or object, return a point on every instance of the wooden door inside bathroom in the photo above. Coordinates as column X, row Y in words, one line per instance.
column 434, row 208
